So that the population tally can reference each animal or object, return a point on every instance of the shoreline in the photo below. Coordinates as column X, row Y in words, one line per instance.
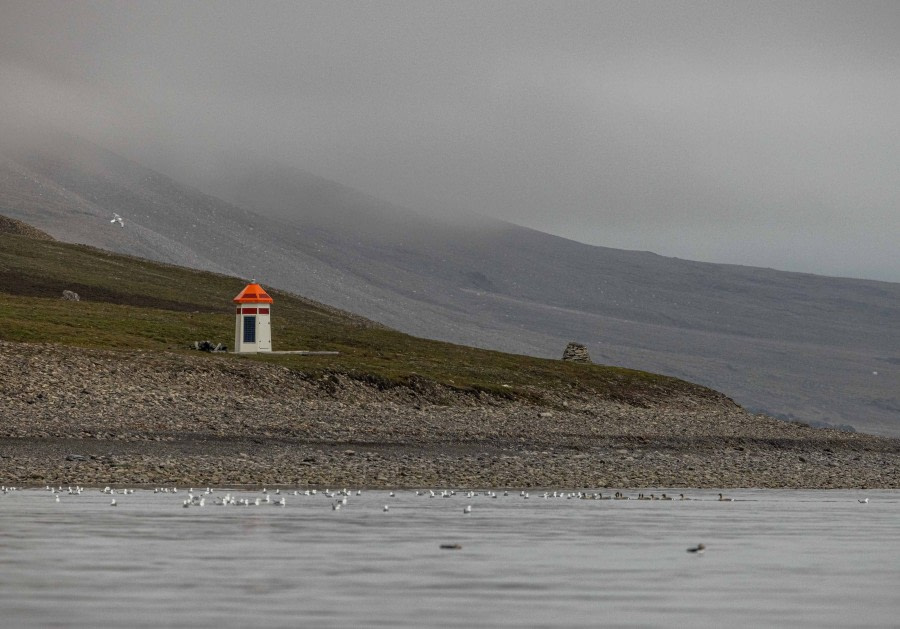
column 157, row 418
column 255, row 462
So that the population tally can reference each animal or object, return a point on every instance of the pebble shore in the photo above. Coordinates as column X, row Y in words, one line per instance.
column 97, row 417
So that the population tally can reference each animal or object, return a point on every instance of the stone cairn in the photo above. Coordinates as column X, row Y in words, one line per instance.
column 577, row 353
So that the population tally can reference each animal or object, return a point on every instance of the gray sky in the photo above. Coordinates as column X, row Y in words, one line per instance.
column 753, row 133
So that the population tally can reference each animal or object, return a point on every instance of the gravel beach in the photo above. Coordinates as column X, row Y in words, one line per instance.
column 99, row 417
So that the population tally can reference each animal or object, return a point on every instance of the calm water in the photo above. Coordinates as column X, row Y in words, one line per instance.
column 773, row 558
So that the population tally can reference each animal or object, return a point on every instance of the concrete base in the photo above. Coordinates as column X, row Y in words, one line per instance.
column 303, row 352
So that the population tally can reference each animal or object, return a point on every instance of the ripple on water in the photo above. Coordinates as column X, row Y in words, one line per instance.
column 803, row 559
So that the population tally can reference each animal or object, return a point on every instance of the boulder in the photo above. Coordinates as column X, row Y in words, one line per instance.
column 576, row 352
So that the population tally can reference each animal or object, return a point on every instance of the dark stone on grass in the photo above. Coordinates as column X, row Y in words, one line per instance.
column 209, row 346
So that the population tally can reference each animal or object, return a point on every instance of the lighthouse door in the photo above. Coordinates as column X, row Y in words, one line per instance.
column 264, row 339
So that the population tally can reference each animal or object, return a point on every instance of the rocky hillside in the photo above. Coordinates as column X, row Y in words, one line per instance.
column 805, row 347
column 18, row 228
column 104, row 391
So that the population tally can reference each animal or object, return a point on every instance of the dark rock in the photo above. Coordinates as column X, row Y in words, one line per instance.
column 208, row 346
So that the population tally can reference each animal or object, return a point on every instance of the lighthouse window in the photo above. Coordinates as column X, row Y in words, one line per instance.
column 249, row 329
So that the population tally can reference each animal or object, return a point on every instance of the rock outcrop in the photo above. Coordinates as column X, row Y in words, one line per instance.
column 577, row 353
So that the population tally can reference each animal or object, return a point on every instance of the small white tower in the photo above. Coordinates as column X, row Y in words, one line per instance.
column 252, row 326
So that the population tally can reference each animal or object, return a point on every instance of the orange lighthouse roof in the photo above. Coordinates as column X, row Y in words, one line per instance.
column 253, row 293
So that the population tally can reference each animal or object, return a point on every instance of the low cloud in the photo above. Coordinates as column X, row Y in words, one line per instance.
column 763, row 134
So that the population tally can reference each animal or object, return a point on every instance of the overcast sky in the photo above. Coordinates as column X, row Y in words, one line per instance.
column 752, row 133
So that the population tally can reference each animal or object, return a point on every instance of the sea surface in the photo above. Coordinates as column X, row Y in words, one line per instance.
column 772, row 558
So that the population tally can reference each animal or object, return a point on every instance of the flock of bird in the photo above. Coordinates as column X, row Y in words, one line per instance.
column 340, row 498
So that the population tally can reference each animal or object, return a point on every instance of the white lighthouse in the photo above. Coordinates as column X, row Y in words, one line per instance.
column 252, row 325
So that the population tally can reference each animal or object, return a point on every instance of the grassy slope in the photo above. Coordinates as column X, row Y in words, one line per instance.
column 133, row 303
